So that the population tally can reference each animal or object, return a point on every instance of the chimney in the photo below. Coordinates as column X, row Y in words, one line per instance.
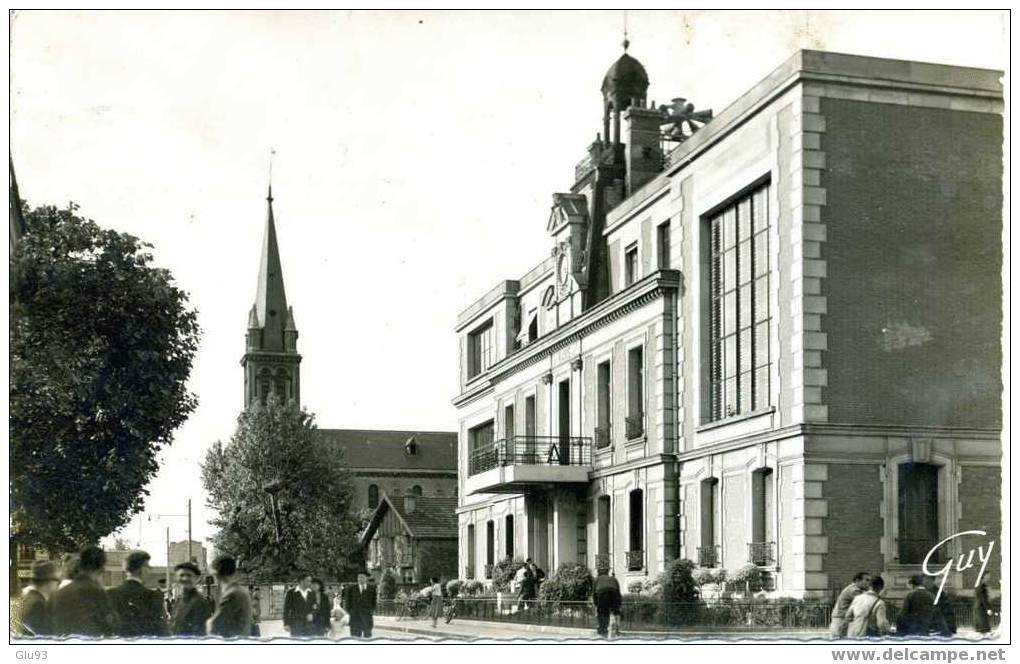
column 409, row 502
column 643, row 149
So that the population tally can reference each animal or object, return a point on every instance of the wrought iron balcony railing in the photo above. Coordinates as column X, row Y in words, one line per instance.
column 762, row 554
column 603, row 437
column 635, row 426
column 488, row 571
column 531, row 451
column 603, row 562
column 708, row 556
column 635, row 560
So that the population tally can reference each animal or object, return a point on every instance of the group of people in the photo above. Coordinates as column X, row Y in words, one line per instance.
column 309, row 611
column 860, row 611
column 78, row 605
column 526, row 583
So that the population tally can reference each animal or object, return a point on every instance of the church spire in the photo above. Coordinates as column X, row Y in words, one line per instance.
column 271, row 297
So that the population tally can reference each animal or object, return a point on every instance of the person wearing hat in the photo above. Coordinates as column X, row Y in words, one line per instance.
column 36, row 619
column 82, row 607
column 140, row 609
column 191, row 610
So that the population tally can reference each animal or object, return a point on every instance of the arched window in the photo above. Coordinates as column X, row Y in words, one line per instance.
column 416, row 490
column 373, row 496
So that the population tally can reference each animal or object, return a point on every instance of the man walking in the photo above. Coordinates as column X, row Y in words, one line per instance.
column 298, row 615
column 191, row 610
column 607, row 599
column 232, row 617
column 82, row 607
column 36, row 617
column 140, row 610
column 838, row 626
column 918, row 609
column 359, row 601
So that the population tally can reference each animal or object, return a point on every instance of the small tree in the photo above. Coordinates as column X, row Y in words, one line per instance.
column 572, row 582
column 679, row 591
column 387, row 585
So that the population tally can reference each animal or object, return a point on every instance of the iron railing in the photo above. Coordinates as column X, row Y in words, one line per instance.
column 635, row 560
column 603, row 437
column 531, row 451
column 762, row 554
column 635, row 427
column 709, row 556
column 603, row 562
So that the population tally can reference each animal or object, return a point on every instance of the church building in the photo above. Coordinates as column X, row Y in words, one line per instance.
column 383, row 462
column 764, row 337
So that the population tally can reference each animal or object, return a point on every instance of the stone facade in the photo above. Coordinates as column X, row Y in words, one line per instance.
column 821, row 399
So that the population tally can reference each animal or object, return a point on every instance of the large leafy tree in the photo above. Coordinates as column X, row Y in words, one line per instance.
column 312, row 527
column 101, row 345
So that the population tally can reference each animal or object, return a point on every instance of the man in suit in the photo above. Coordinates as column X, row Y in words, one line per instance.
column 82, row 607
column 191, row 611
column 36, row 618
column 918, row 609
column 139, row 609
column 297, row 608
column 359, row 601
column 232, row 617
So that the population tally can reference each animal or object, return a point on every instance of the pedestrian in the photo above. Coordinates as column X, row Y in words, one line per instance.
column 982, row 609
column 538, row 573
column 82, row 607
column 140, row 610
column 527, row 588
column 359, row 600
column 943, row 621
column 867, row 613
column 435, row 600
column 191, row 610
column 36, row 616
column 297, row 607
column 321, row 610
column 607, row 599
column 232, row 617
column 918, row 609
column 861, row 582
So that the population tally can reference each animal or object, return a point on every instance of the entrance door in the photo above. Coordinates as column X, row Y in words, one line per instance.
column 564, row 408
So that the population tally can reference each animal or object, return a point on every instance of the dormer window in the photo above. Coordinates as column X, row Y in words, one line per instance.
column 411, row 446
column 479, row 349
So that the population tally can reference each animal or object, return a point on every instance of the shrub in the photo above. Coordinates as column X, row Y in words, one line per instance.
column 503, row 573
column 679, row 592
column 453, row 587
column 748, row 577
column 572, row 582
column 635, row 587
column 651, row 588
column 387, row 585
column 702, row 576
column 472, row 587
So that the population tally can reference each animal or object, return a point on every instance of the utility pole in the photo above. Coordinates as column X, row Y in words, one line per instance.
column 168, row 557
column 189, row 534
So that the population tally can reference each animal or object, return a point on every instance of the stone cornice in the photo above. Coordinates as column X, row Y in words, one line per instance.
column 410, row 472
column 632, row 298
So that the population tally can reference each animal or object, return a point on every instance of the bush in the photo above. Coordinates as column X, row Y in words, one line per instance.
column 387, row 585
column 572, row 582
column 503, row 573
column 748, row 578
column 635, row 587
column 679, row 592
column 453, row 587
column 651, row 588
column 472, row 587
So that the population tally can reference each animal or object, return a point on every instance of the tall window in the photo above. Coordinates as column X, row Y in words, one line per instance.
column 470, row 571
column 490, row 547
column 739, row 306
column 630, row 269
column 603, row 432
column 508, row 535
column 708, row 552
column 373, row 496
column 480, row 349
column 635, row 393
column 761, row 548
column 603, row 517
column 635, row 555
column 918, row 490
column 663, row 240
column 508, row 424
column 481, row 456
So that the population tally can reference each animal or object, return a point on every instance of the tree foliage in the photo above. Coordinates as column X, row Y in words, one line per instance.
column 572, row 582
column 101, row 347
column 275, row 444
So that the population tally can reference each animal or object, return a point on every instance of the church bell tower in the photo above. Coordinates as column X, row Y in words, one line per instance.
column 271, row 361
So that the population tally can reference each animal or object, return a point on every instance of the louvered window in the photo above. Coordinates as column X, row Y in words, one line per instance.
column 739, row 306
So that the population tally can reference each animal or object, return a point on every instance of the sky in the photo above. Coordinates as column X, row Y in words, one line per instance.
column 416, row 157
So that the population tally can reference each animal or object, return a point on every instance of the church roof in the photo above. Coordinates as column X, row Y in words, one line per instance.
column 433, row 517
column 271, row 298
column 383, row 449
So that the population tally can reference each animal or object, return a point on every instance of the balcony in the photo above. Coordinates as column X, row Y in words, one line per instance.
column 635, row 561
column 523, row 463
column 762, row 554
column 469, row 572
column 603, row 437
column 635, row 427
column 603, row 562
column 708, row 556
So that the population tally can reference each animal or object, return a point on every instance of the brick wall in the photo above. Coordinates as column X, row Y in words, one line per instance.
column 854, row 526
column 397, row 486
column 914, row 216
column 980, row 495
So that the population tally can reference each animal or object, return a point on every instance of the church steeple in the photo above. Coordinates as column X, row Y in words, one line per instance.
column 271, row 361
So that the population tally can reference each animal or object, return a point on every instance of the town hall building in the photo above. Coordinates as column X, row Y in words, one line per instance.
column 766, row 337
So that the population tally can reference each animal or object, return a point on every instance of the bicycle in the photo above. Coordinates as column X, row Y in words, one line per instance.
column 449, row 610
column 412, row 608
